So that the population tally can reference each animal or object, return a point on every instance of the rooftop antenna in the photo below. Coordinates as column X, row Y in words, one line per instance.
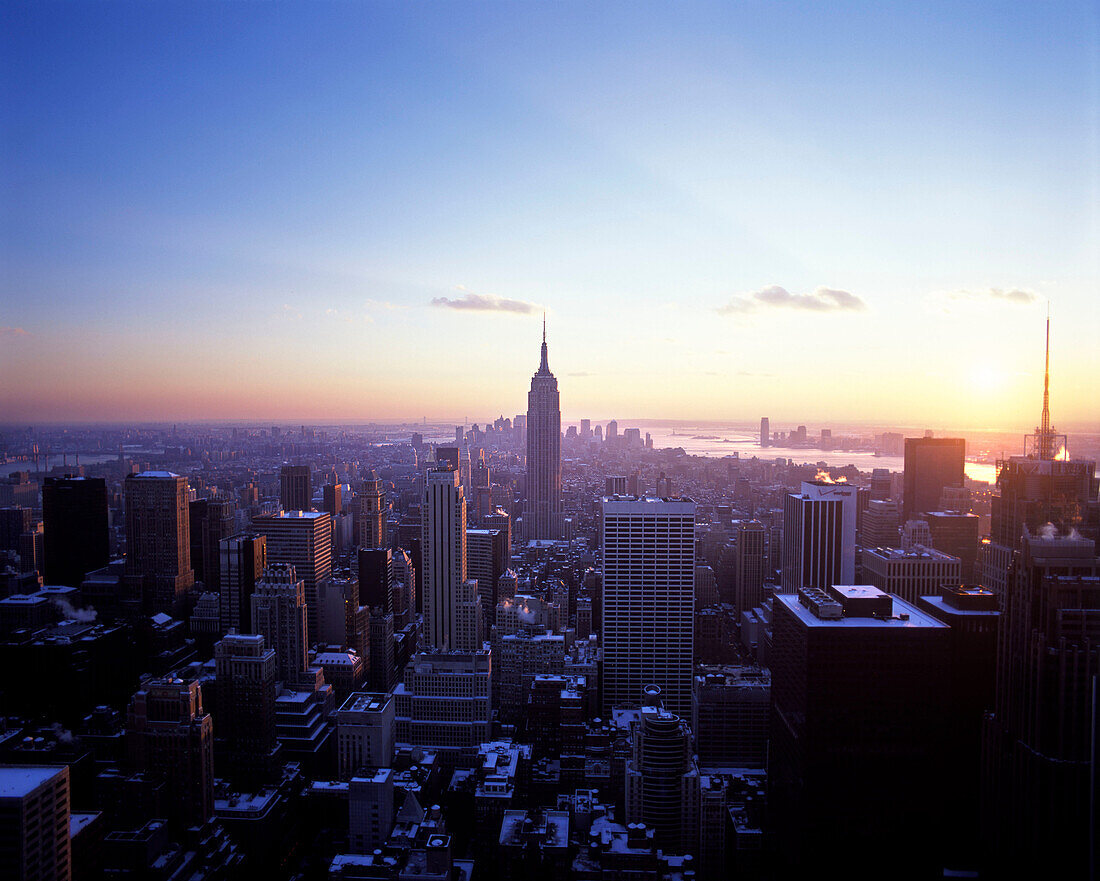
column 1043, row 445
column 544, row 365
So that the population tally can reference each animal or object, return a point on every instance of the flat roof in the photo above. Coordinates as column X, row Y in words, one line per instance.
column 18, row 781
column 917, row 618
column 859, row 591
column 919, row 552
column 362, row 701
column 938, row 602
column 630, row 503
column 154, row 474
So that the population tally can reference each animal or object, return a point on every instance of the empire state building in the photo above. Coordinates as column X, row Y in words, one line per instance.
column 542, row 514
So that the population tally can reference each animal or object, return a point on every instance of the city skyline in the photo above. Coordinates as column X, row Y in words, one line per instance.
column 725, row 213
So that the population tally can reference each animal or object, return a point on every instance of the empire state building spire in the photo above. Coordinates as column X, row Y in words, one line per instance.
column 542, row 514
column 544, row 365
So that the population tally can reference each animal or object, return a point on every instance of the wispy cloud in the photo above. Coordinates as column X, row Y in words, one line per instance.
column 776, row 297
column 751, row 373
column 974, row 299
column 484, row 303
column 13, row 331
column 349, row 317
column 1016, row 296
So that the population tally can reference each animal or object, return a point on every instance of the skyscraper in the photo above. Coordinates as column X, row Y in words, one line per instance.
column 931, row 463
column 211, row 521
column 376, row 578
column 371, row 514
column 765, row 432
column 158, row 538
column 333, row 502
column 749, row 557
column 859, row 697
column 819, row 536
column 662, row 781
column 542, row 513
column 303, row 539
column 648, row 602
column 295, row 489
column 243, row 559
column 279, row 615
column 1041, row 737
column 486, row 559
column 74, row 511
column 452, row 617
column 247, row 673
column 1042, row 486
column 34, row 822
column 171, row 739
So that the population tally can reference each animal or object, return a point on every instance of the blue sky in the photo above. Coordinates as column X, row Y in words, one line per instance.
column 274, row 194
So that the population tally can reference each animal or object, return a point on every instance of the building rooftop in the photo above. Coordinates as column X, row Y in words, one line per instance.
column 154, row 474
column 630, row 504
column 365, row 702
column 918, row 552
column 17, row 781
column 380, row 775
column 913, row 617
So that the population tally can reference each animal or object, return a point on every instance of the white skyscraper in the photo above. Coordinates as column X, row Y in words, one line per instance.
column 452, row 609
column 819, row 536
column 648, row 603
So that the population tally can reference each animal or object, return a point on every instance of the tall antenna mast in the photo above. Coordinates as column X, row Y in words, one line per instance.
column 1046, row 384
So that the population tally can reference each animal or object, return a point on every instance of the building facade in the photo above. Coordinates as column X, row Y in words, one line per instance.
column 648, row 599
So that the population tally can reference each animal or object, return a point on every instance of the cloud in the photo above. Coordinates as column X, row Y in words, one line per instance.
column 349, row 317
column 13, row 331
column 750, row 373
column 968, row 299
column 484, row 303
column 1017, row 296
column 580, row 373
column 776, row 297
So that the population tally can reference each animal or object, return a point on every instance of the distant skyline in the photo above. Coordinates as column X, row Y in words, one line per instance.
column 338, row 211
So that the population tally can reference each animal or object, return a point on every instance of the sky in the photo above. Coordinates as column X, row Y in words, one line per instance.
column 849, row 212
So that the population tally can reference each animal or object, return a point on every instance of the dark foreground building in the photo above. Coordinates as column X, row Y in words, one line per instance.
column 859, row 706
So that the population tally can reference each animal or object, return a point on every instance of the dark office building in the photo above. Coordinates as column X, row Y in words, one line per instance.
column 243, row 558
column 246, row 707
column 860, row 700
column 486, row 559
column 74, row 514
column 211, row 521
column 333, row 501
column 170, row 739
column 13, row 523
column 956, row 534
column 1034, row 492
column 295, row 488
column 1040, row 739
column 376, row 578
column 931, row 463
column 973, row 615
